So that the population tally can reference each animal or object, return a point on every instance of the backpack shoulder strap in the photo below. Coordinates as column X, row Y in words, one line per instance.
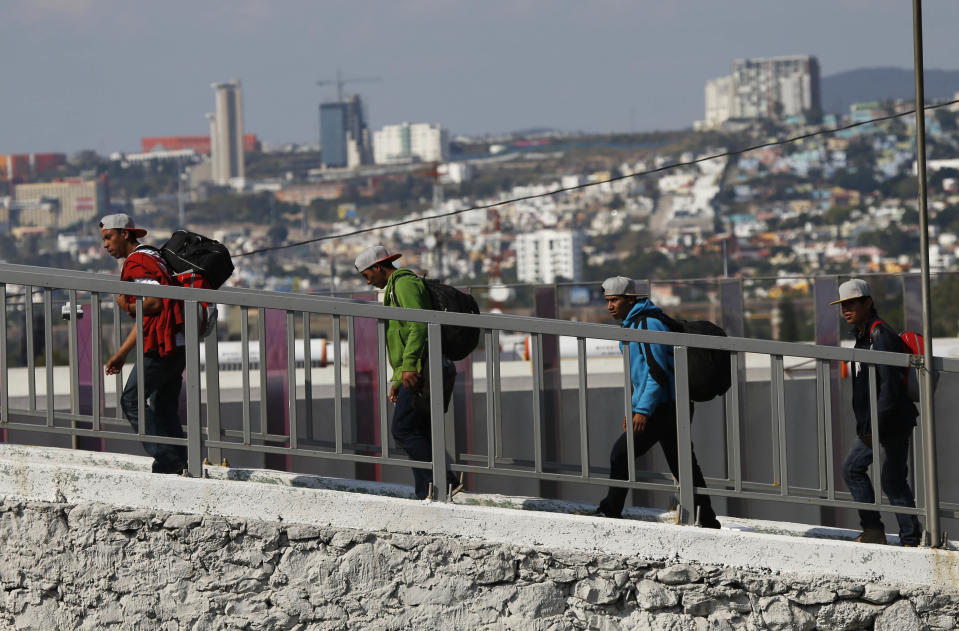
column 657, row 371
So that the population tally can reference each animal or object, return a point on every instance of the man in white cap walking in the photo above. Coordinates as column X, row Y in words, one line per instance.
column 407, row 352
column 163, row 343
column 896, row 413
column 653, row 403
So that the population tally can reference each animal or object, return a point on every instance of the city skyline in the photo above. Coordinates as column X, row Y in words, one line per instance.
column 103, row 74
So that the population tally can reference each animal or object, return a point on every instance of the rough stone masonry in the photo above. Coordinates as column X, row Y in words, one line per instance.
column 96, row 566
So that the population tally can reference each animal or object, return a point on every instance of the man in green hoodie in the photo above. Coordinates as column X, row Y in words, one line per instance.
column 407, row 353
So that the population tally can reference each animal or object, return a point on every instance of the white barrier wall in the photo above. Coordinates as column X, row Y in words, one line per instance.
column 92, row 541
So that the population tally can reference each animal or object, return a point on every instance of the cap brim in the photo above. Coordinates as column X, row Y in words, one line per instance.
column 389, row 259
column 836, row 302
column 137, row 232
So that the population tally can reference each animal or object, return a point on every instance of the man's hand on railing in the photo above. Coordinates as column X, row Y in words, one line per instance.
column 115, row 364
column 639, row 422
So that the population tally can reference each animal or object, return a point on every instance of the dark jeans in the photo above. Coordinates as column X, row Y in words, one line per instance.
column 411, row 429
column 660, row 428
column 162, row 380
column 892, row 478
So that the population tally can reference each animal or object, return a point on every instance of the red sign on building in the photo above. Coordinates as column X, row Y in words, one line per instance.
column 200, row 144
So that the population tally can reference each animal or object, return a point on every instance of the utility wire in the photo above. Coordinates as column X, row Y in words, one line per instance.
column 566, row 189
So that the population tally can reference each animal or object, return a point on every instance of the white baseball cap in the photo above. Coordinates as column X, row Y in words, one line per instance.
column 620, row 286
column 373, row 255
column 121, row 221
column 852, row 289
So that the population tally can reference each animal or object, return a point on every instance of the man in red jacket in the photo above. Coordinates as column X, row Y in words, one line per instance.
column 163, row 343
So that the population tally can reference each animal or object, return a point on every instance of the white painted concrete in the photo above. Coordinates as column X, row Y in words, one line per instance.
column 56, row 475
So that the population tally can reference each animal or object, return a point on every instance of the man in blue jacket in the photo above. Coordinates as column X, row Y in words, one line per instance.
column 896, row 413
column 653, row 403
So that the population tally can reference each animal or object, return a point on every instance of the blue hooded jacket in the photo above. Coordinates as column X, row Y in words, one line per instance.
column 647, row 392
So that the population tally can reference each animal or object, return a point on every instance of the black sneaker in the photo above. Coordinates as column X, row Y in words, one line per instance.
column 597, row 512
column 168, row 467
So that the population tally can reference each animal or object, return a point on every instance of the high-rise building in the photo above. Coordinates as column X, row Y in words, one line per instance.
column 408, row 143
column 344, row 137
column 719, row 100
column 226, row 133
column 549, row 255
column 773, row 88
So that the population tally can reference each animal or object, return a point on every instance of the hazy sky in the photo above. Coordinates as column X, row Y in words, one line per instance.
column 100, row 74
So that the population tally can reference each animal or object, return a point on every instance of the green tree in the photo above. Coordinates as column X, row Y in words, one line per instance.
column 859, row 179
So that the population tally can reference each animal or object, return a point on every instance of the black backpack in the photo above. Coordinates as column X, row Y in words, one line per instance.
column 188, row 251
column 458, row 341
column 709, row 374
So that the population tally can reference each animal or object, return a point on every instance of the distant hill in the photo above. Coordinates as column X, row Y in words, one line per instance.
column 839, row 91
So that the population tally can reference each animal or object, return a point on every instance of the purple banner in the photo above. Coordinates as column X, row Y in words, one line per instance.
column 277, row 385
column 366, row 406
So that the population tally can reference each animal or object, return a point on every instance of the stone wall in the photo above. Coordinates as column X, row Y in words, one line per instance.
column 85, row 565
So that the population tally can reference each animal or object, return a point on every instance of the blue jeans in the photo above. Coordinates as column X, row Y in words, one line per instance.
column 893, row 481
column 411, row 429
column 162, row 380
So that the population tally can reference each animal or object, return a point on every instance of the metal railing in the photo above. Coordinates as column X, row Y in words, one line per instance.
column 206, row 436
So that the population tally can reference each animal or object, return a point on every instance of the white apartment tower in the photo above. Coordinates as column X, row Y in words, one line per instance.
column 549, row 255
column 410, row 142
column 226, row 133
column 772, row 87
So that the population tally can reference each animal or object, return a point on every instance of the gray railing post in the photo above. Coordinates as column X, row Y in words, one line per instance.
column 733, row 322
column 141, row 387
column 628, row 415
column 213, row 394
column 194, row 439
column 4, row 362
column 48, row 352
column 437, row 420
column 930, row 475
column 686, row 511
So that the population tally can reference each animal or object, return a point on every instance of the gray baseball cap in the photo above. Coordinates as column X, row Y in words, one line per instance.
column 620, row 286
column 373, row 255
column 852, row 289
column 121, row 221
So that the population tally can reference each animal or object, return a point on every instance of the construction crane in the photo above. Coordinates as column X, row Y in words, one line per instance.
column 339, row 82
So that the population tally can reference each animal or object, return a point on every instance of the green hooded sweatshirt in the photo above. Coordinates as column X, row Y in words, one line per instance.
column 406, row 341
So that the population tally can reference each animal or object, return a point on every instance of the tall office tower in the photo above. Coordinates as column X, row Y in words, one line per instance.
column 344, row 137
column 406, row 143
column 226, row 133
column 773, row 87
column 549, row 255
